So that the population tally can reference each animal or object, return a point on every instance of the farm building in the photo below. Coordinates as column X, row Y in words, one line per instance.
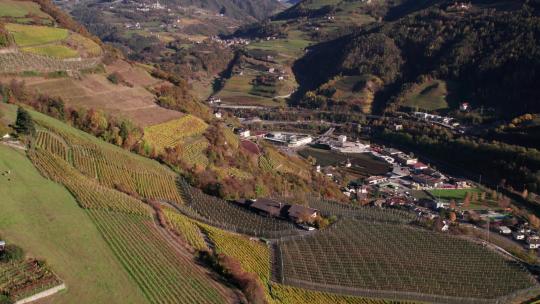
column 267, row 207
column 300, row 213
column 274, row 208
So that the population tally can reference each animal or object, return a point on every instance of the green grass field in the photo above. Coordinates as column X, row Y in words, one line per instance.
column 32, row 35
column 428, row 96
column 453, row 194
column 43, row 218
column 292, row 47
column 237, row 91
column 57, row 51
column 18, row 9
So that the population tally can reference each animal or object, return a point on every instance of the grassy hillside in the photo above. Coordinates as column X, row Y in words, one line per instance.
column 110, row 184
column 43, row 218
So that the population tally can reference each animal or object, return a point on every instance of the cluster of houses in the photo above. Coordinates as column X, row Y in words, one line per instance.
column 522, row 233
column 416, row 174
column 277, row 209
column 445, row 121
column 230, row 42
column 146, row 7
column 459, row 6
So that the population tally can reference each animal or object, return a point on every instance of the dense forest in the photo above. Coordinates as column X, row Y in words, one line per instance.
column 493, row 53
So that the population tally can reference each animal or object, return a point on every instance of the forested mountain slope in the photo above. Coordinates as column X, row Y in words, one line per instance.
column 490, row 49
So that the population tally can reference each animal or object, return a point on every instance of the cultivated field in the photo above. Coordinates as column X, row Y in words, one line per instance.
column 362, row 164
column 254, row 257
column 226, row 215
column 95, row 91
column 104, row 167
column 176, row 132
column 32, row 35
column 164, row 275
column 397, row 261
column 24, row 278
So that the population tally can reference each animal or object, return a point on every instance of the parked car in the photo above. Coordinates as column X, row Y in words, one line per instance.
column 505, row 230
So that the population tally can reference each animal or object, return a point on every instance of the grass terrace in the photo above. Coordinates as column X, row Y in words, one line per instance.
column 57, row 51
column 33, row 35
column 19, row 9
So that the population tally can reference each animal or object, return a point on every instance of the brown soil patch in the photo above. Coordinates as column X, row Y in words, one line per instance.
column 95, row 91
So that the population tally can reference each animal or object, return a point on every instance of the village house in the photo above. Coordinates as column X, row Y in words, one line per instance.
column 427, row 181
column 242, row 132
column 214, row 100
column 406, row 160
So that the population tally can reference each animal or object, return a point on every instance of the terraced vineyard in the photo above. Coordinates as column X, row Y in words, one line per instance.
column 188, row 229
column 164, row 275
column 252, row 255
column 52, row 143
column 174, row 132
column 88, row 192
column 20, row 279
column 163, row 271
column 398, row 261
column 283, row 294
column 194, row 152
column 111, row 167
column 278, row 162
column 228, row 216
column 16, row 62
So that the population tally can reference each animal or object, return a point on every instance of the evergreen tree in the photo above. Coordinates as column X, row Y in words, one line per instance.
column 24, row 123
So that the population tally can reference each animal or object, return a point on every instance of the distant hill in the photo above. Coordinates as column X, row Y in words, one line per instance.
column 490, row 49
column 258, row 9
